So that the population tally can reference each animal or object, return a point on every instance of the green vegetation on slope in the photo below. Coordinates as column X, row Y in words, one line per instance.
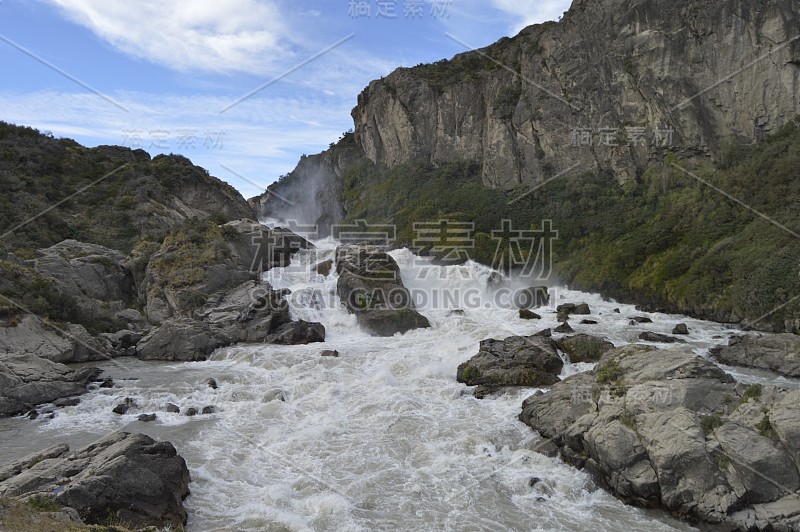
column 667, row 239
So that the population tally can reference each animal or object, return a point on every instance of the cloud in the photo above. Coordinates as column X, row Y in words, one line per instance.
column 527, row 12
column 207, row 35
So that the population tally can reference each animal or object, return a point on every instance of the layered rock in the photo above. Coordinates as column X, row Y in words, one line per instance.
column 669, row 428
column 515, row 361
column 370, row 287
column 26, row 381
column 129, row 479
column 775, row 352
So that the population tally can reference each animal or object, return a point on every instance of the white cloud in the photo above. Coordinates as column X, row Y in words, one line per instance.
column 209, row 35
column 527, row 12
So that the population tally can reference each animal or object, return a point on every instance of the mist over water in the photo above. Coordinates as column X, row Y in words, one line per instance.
column 382, row 437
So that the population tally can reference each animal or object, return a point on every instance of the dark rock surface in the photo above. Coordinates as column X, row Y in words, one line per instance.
column 526, row 314
column 515, row 361
column 648, row 336
column 775, row 352
column 584, row 347
column 370, row 287
column 129, row 477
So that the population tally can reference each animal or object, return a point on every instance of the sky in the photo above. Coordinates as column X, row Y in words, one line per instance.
column 241, row 87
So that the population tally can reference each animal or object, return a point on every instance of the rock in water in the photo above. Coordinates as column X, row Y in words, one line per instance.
column 297, row 333
column 533, row 297
column 775, row 352
column 172, row 408
column 515, row 361
column 146, row 418
column 370, row 287
column 27, row 380
column 324, row 267
column 564, row 328
column 330, row 353
column 212, row 383
column 669, row 428
column 584, row 348
column 129, row 478
column 648, row 336
column 680, row 328
column 526, row 314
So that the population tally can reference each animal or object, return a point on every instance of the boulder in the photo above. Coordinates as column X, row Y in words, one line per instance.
column 775, row 352
column 330, row 353
column 515, row 361
column 564, row 328
column 370, row 287
column 641, row 319
column 65, row 343
column 533, row 297
column 526, row 314
column 27, row 380
column 648, row 336
column 669, row 428
column 297, row 333
column 324, row 268
column 128, row 478
column 584, row 347
column 680, row 328
column 181, row 339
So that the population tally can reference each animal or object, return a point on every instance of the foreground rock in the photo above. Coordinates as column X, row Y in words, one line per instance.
column 27, row 380
column 515, row 361
column 584, row 347
column 775, row 352
column 68, row 343
column 370, row 287
column 125, row 478
column 669, row 428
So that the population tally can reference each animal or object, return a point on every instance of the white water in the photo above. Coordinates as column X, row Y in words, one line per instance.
column 382, row 437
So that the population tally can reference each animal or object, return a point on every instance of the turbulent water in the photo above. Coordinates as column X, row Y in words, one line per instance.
column 382, row 437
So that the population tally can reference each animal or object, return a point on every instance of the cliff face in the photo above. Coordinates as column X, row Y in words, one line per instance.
column 618, row 72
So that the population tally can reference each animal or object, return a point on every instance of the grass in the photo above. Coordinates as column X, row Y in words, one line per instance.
column 764, row 427
column 751, row 392
column 710, row 423
column 608, row 372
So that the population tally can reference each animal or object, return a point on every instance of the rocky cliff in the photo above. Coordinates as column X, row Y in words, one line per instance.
column 614, row 85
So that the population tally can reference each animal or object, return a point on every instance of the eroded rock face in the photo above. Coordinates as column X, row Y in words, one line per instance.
column 663, row 60
column 130, row 478
column 515, row 361
column 27, row 380
column 776, row 352
column 70, row 343
column 669, row 428
column 370, row 287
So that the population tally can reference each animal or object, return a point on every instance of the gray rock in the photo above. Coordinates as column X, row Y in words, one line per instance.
column 775, row 352
column 27, row 380
column 297, row 333
column 564, row 328
column 68, row 343
column 212, row 383
column 181, row 339
column 324, row 268
column 641, row 319
column 515, row 361
column 584, row 347
column 533, row 297
column 172, row 408
column 130, row 478
column 526, row 314
column 146, row 418
column 67, row 401
column 208, row 410
column 680, row 328
column 669, row 428
column 190, row 412
column 648, row 336
column 330, row 353
column 370, row 287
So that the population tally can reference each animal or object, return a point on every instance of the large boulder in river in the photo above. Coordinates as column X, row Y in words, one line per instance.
column 128, row 479
column 515, row 361
column 584, row 347
column 669, row 428
column 27, row 380
column 370, row 287
column 775, row 352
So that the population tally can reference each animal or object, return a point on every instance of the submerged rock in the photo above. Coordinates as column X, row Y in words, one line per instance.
column 128, row 478
column 515, row 361
column 526, row 314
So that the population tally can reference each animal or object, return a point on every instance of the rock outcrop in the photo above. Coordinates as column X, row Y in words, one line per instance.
column 129, row 479
column 515, row 361
column 668, row 428
column 370, row 287
column 27, row 380
column 584, row 347
column 775, row 352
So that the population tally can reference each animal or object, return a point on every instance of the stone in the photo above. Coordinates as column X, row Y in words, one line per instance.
column 208, row 410
column 564, row 328
column 546, row 333
column 588, row 322
column 146, row 418
column 648, row 336
column 212, row 383
column 324, row 268
column 584, row 347
column 67, row 401
column 129, row 478
column 297, row 333
column 180, row 339
column 329, row 353
column 27, row 380
column 680, row 328
column 172, row 408
column 641, row 319
column 532, row 297
column 191, row 411
column 526, row 314
column 121, row 409
column 515, row 361
column 774, row 352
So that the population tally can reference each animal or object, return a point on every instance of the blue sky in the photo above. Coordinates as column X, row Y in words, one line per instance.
column 164, row 75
